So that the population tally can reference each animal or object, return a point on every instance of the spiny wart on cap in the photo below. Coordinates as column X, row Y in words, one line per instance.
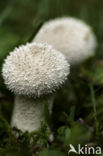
column 35, row 69
column 74, row 38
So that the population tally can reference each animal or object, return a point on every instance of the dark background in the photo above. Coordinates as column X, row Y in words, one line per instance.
column 78, row 108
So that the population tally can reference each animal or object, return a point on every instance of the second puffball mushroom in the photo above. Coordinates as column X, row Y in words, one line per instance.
column 74, row 38
column 32, row 72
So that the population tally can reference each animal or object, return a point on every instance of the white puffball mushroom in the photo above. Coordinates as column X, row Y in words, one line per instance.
column 74, row 38
column 32, row 71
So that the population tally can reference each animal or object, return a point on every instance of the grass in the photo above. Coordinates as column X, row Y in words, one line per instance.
column 78, row 107
column 94, row 108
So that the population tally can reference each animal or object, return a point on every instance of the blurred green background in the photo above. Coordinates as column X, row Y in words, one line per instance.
column 78, row 108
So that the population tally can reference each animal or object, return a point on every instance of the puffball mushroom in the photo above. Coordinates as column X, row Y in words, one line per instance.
column 32, row 72
column 74, row 38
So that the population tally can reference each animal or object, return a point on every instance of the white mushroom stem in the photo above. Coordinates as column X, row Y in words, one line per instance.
column 29, row 112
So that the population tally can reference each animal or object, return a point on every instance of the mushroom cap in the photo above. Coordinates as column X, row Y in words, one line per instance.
column 35, row 69
column 71, row 36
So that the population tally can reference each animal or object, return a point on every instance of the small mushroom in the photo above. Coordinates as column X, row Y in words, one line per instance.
column 74, row 38
column 33, row 72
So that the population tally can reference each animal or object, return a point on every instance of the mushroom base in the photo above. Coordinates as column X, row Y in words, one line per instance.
column 28, row 113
